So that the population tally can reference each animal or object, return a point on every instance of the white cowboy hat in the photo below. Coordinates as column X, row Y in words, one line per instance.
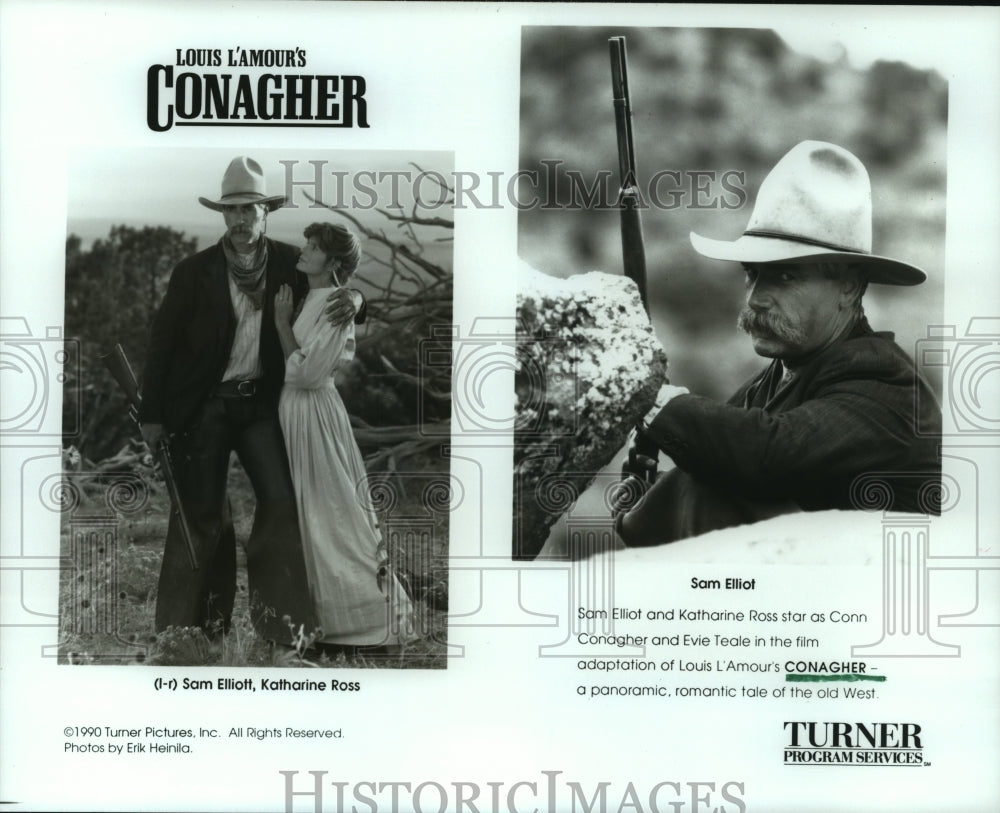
column 815, row 205
column 243, row 183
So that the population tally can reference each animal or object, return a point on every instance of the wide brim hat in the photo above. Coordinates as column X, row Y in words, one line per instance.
column 814, row 206
column 244, row 183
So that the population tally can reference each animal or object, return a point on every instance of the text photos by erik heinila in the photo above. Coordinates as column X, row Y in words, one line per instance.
column 760, row 218
column 278, row 324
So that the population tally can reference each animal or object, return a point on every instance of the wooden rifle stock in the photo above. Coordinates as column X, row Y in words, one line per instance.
column 117, row 364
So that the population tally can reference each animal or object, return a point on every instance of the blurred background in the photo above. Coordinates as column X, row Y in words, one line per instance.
column 724, row 101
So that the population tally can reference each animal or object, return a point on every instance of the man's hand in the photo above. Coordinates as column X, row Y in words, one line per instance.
column 152, row 433
column 666, row 394
column 638, row 473
column 343, row 305
column 283, row 306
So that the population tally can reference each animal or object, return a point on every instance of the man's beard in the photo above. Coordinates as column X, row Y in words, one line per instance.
column 771, row 325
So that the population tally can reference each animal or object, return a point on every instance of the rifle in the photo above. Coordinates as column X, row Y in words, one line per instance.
column 121, row 371
column 641, row 463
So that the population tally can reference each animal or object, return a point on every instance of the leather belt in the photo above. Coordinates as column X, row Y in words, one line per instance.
column 237, row 389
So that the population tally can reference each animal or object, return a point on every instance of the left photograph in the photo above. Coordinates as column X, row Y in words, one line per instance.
column 255, row 426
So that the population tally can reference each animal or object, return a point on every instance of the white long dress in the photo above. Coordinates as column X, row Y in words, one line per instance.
column 340, row 534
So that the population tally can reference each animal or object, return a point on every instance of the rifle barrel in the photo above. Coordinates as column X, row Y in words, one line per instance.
column 623, row 109
column 117, row 363
column 633, row 250
column 166, row 469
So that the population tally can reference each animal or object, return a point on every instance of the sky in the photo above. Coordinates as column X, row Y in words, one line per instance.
column 161, row 187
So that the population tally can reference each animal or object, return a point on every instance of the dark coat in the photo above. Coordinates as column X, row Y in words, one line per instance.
column 192, row 335
column 855, row 427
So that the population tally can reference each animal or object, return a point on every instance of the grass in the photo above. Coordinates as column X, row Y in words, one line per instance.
column 108, row 594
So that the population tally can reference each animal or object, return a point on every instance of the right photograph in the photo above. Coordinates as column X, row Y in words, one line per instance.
column 732, row 242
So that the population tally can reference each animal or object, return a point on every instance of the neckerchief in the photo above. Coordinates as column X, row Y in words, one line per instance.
column 247, row 270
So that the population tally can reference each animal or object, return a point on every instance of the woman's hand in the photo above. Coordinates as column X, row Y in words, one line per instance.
column 283, row 306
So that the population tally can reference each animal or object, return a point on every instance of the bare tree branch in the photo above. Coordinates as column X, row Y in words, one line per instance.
column 416, row 220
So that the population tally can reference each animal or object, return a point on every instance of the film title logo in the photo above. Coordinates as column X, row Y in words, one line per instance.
column 895, row 744
column 273, row 91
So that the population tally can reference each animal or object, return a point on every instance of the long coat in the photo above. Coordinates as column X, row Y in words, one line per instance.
column 192, row 335
column 854, row 427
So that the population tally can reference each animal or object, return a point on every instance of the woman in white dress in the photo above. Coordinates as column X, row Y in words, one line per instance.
column 343, row 545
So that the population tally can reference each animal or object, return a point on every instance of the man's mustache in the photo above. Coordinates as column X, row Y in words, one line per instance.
column 773, row 324
column 240, row 230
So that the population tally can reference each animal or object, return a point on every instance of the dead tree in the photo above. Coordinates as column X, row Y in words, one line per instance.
column 409, row 312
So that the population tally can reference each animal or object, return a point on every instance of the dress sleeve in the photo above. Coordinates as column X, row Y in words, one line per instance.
column 324, row 349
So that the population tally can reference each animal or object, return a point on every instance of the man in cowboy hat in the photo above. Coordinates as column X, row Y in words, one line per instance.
column 832, row 419
column 212, row 379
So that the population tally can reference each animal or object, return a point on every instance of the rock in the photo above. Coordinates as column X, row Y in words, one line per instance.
column 588, row 367
column 830, row 538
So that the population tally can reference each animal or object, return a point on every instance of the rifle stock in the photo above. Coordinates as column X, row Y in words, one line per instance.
column 117, row 364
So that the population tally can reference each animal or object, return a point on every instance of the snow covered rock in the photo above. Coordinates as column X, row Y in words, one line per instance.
column 588, row 367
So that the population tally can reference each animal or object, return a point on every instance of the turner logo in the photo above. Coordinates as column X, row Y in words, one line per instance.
column 897, row 744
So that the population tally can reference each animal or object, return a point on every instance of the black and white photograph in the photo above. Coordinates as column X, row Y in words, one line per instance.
column 498, row 407
column 725, row 279
column 264, row 335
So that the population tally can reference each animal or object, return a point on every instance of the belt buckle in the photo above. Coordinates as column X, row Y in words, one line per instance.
column 247, row 388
